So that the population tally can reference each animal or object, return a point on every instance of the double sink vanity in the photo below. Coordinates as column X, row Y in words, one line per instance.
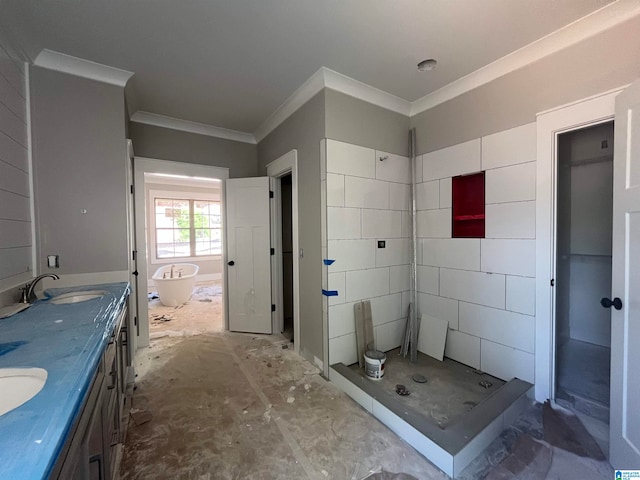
column 65, row 364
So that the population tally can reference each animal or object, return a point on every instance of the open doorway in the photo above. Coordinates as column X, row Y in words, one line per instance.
column 184, row 260
column 164, row 240
column 584, row 216
column 287, row 256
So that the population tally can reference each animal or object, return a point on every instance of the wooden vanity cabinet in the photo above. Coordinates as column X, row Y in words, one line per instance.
column 91, row 449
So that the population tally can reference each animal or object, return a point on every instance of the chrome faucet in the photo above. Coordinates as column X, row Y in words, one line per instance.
column 31, row 296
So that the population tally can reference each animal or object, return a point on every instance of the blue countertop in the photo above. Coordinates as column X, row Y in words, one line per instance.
column 67, row 341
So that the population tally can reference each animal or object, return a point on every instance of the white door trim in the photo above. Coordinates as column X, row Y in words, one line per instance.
column 288, row 163
column 597, row 109
column 142, row 165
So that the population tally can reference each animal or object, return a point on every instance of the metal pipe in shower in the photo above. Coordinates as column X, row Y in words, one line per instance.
column 413, row 321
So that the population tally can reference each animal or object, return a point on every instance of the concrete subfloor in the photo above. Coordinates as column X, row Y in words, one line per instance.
column 234, row 406
column 452, row 389
column 201, row 313
column 237, row 406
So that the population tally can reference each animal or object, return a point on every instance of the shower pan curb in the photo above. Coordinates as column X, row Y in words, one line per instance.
column 450, row 449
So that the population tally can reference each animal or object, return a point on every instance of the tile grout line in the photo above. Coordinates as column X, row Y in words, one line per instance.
column 284, row 431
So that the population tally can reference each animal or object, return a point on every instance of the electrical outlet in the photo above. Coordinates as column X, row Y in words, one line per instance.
column 382, row 243
column 53, row 261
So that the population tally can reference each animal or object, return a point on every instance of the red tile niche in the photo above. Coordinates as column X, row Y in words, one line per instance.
column 467, row 193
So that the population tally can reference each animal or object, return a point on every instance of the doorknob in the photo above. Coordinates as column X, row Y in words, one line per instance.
column 607, row 303
column 231, row 263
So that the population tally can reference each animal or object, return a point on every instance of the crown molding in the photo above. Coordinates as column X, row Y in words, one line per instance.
column 302, row 95
column 192, row 127
column 327, row 78
column 571, row 34
column 79, row 67
column 354, row 88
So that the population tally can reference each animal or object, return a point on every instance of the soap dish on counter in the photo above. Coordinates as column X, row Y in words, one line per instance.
column 12, row 309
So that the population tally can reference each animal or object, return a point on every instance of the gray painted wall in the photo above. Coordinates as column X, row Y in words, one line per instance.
column 303, row 131
column 165, row 144
column 79, row 155
column 603, row 62
column 354, row 121
column 15, row 210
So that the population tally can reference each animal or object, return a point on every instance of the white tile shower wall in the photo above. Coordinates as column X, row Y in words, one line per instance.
column 15, row 210
column 484, row 288
column 368, row 199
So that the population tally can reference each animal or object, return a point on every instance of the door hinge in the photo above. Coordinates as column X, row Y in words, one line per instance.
column 131, row 188
column 270, row 193
column 273, row 251
column 273, row 307
column 135, row 321
column 553, row 282
column 133, row 255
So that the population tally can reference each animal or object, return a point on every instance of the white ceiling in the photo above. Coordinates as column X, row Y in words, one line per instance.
column 232, row 63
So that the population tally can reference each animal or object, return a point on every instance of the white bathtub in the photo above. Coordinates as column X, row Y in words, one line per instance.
column 175, row 283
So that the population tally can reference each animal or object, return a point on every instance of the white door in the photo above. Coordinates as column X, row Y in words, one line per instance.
column 132, row 327
column 249, row 255
column 624, row 451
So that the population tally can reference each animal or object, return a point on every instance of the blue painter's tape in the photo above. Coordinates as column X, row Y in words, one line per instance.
column 328, row 261
column 330, row 293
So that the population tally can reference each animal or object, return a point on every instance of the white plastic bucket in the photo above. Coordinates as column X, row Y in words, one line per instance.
column 374, row 364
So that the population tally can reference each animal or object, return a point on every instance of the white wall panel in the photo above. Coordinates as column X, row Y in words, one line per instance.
column 395, row 168
column 439, row 307
column 434, row 223
column 399, row 196
column 451, row 161
column 336, row 281
column 406, row 224
column 381, row 224
column 14, row 261
column 351, row 254
column 521, row 295
column 399, row 278
column 428, row 195
column 14, row 207
column 428, row 279
column 15, row 202
column 343, row 349
column 507, row 328
column 341, row 320
column 445, row 193
column 350, row 159
column 511, row 184
column 344, row 223
column 475, row 287
column 511, row 220
column 505, row 362
column 386, row 308
column 13, row 153
column 18, row 234
column 460, row 253
column 366, row 193
column 463, row 348
column 396, row 252
column 14, row 180
column 335, row 190
column 389, row 335
column 365, row 284
column 514, row 257
column 509, row 147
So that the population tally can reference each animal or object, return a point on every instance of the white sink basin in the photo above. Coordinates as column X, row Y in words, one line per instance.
column 76, row 297
column 19, row 385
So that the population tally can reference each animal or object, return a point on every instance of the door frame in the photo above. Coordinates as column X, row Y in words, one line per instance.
column 284, row 165
column 142, row 165
column 551, row 123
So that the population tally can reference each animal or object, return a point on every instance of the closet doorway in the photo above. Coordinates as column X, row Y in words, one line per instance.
column 584, row 214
